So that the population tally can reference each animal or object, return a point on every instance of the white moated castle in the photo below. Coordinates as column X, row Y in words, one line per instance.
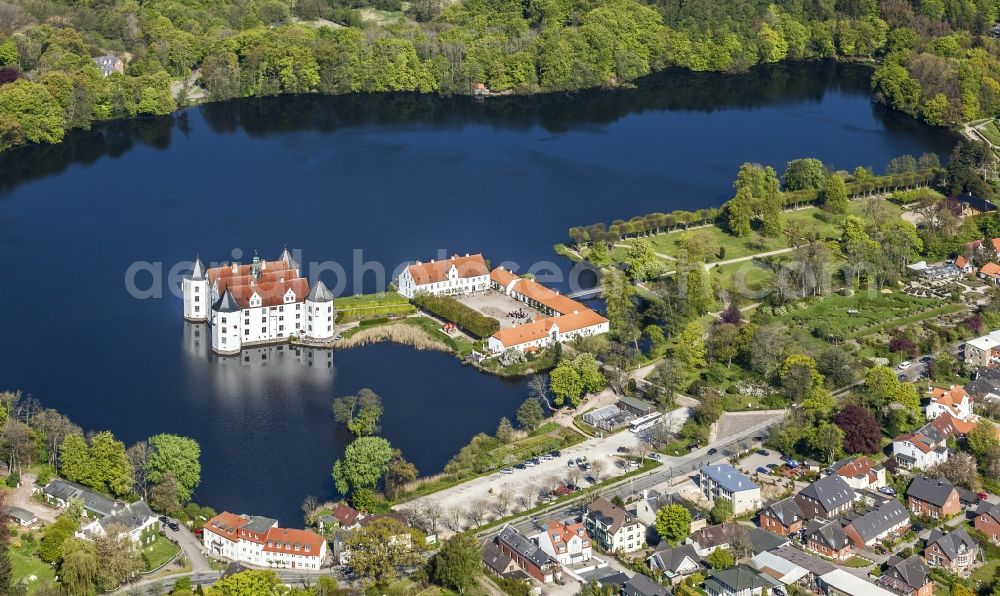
column 264, row 302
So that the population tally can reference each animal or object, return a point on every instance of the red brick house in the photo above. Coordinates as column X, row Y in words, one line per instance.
column 988, row 522
column 782, row 517
column 828, row 539
column 932, row 498
column 909, row 577
column 956, row 550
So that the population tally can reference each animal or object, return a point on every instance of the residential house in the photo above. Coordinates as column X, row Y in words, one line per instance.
column 640, row 585
column 22, row 516
column 762, row 540
column 907, row 577
column 932, row 498
column 985, row 384
column 827, row 537
column 259, row 541
column 988, row 521
column 970, row 204
column 708, row 539
column 955, row 401
column 566, row 542
column 826, row 497
column 949, row 426
column 345, row 516
column 676, row 561
column 741, row 580
column 60, row 492
column 136, row 519
column 724, row 481
column 782, row 517
column 637, row 407
column 527, row 555
column 652, row 501
column 860, row 473
column 497, row 562
column 613, row 528
column 886, row 521
column 841, row 583
column 616, row 581
column 937, row 272
column 984, row 350
column 964, row 265
column 109, row 64
column 956, row 550
column 924, row 448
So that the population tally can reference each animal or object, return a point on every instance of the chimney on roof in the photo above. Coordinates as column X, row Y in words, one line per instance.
column 432, row 260
column 235, row 266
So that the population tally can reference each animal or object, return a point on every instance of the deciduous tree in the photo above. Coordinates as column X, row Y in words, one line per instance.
column 673, row 523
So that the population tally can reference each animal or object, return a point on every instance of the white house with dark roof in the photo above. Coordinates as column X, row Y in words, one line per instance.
column 260, row 303
column 61, row 492
column 613, row 528
column 826, row 497
column 722, row 481
column 135, row 519
column 674, row 561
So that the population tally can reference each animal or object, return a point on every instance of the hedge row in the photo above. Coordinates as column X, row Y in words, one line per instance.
column 452, row 310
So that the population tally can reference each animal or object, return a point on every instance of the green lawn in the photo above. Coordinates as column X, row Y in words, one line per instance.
column 987, row 573
column 159, row 552
column 796, row 222
column 26, row 564
column 991, row 131
column 857, row 315
column 369, row 300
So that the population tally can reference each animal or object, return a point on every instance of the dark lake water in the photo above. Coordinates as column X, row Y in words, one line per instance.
column 355, row 180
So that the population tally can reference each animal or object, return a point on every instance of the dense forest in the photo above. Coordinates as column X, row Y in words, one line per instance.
column 937, row 59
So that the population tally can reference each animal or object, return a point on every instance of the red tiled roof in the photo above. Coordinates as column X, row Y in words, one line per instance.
column 226, row 525
column 502, row 276
column 282, row 540
column 991, row 269
column 345, row 514
column 436, row 271
column 961, row 262
column 244, row 270
column 859, row 467
column 550, row 298
column 561, row 533
column 948, row 397
column 271, row 293
column 949, row 425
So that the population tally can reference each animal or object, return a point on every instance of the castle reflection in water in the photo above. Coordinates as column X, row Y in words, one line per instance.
column 282, row 369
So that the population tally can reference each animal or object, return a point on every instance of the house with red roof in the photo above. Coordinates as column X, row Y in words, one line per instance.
column 860, row 473
column 565, row 542
column 954, row 401
column 990, row 272
column 259, row 541
column 457, row 275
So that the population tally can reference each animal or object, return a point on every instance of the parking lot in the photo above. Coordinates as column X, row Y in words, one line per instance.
column 498, row 305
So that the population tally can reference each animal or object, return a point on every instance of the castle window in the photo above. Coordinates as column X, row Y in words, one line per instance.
column 223, row 319
column 197, row 298
column 197, row 309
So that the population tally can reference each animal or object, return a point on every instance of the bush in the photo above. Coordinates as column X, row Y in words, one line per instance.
column 452, row 310
column 13, row 480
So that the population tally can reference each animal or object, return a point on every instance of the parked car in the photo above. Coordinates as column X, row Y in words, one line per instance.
column 544, row 457
column 555, row 453
column 586, row 466
column 655, row 456
column 692, row 446
column 885, row 490
column 904, row 364
column 622, row 450
column 763, row 470
column 173, row 526
column 763, row 452
column 164, row 520
column 983, row 496
column 571, row 462
column 544, row 498
column 535, row 460
column 713, row 451
column 520, row 467
column 591, row 479
column 579, row 460
column 506, row 470
column 774, row 466
column 633, row 463
column 529, row 464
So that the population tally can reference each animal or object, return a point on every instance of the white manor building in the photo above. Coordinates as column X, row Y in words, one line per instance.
column 565, row 318
column 457, row 275
column 261, row 303
column 259, row 541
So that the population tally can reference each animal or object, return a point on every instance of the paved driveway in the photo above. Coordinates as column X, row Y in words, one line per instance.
column 191, row 547
column 22, row 497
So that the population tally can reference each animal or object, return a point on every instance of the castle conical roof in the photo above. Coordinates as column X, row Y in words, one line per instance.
column 286, row 256
column 319, row 293
column 198, row 271
column 226, row 303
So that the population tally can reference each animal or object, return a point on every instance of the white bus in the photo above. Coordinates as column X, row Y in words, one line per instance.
column 643, row 422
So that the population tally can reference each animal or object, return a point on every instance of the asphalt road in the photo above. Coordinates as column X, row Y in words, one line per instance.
column 665, row 474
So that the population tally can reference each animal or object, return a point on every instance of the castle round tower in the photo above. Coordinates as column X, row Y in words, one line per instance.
column 226, row 325
column 319, row 312
column 197, row 300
